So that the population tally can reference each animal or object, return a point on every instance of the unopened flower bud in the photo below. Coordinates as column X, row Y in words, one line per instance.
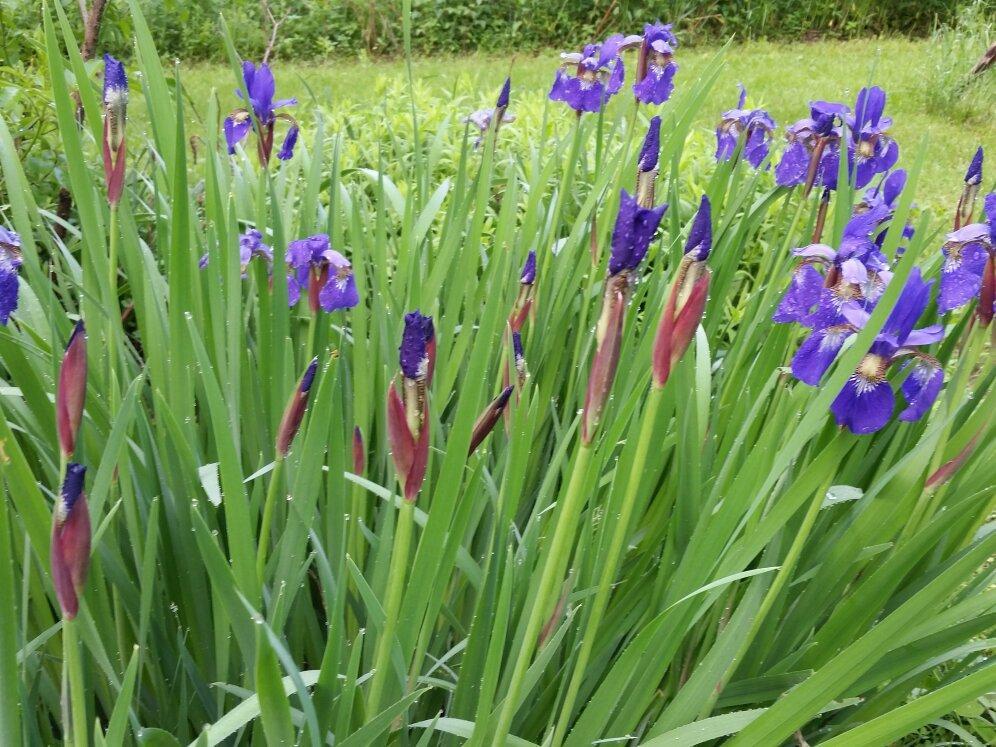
column 71, row 391
column 297, row 405
column 486, row 420
column 115, row 118
column 70, row 554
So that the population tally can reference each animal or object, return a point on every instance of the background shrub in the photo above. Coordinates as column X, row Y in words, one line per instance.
column 315, row 29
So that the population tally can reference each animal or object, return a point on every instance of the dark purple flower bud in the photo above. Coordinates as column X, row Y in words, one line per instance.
column 503, row 96
column 294, row 412
column 973, row 181
column 650, row 151
column 699, row 242
column 10, row 262
column 520, row 359
column 635, row 227
column 359, row 452
column 71, row 392
column 646, row 169
column 974, row 173
column 487, row 420
column 528, row 276
column 413, row 354
column 70, row 553
column 115, row 100
column 115, row 117
column 290, row 140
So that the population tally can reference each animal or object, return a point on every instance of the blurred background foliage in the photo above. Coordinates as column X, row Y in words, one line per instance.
column 343, row 39
column 314, row 29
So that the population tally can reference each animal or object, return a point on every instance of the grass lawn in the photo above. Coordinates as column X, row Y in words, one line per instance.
column 781, row 77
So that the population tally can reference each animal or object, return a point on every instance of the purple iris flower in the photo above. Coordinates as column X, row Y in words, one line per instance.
column 250, row 245
column 870, row 150
column 815, row 137
column 327, row 275
column 856, row 272
column 968, row 270
column 414, row 353
column 866, row 402
column 634, row 228
column 261, row 87
column 10, row 261
column 699, row 242
column 597, row 74
column 885, row 194
column 756, row 125
column 655, row 70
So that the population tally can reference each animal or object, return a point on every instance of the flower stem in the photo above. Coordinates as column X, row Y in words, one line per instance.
column 392, row 604
column 268, row 507
column 75, row 728
column 113, row 315
column 547, row 592
column 611, row 561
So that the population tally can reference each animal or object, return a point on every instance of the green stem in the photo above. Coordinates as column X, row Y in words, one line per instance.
column 113, row 313
column 312, row 331
column 268, row 508
column 611, row 561
column 392, row 604
column 548, row 589
column 75, row 731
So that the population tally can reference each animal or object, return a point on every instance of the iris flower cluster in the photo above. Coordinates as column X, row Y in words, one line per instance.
column 586, row 80
column 833, row 293
column 753, row 125
column 812, row 155
column 313, row 268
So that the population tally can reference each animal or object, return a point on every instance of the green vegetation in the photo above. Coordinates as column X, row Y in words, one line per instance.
column 716, row 563
column 783, row 78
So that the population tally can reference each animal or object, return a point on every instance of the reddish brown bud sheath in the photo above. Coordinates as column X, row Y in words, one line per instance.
column 409, row 449
column 603, row 366
column 950, row 467
column 70, row 553
column 359, row 452
column 682, row 314
column 987, row 293
column 316, row 281
column 486, row 420
column 297, row 405
column 71, row 391
column 114, row 164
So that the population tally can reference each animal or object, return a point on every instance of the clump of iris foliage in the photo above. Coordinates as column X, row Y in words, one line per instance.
column 570, row 447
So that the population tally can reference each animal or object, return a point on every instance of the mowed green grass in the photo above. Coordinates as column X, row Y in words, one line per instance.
column 780, row 77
